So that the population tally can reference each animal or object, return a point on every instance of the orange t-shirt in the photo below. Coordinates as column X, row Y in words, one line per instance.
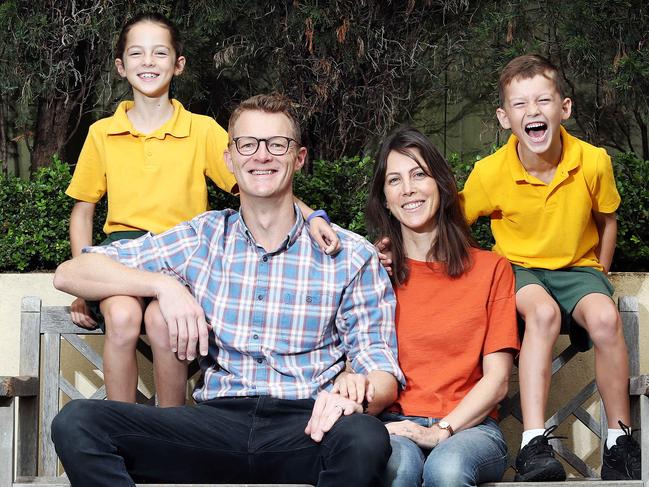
column 446, row 326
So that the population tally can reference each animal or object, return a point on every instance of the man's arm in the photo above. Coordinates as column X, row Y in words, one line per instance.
column 607, row 229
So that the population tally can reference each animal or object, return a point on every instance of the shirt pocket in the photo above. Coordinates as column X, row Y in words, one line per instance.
column 306, row 320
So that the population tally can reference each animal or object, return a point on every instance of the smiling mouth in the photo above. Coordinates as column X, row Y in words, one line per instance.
column 262, row 172
column 148, row 75
column 412, row 205
column 536, row 130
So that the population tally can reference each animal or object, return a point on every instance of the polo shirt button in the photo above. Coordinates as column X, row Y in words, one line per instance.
column 149, row 153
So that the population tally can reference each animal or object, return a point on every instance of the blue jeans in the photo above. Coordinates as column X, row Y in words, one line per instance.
column 247, row 440
column 468, row 458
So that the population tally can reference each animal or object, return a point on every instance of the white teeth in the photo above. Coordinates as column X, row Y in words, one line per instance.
column 412, row 205
column 148, row 75
column 262, row 173
column 534, row 125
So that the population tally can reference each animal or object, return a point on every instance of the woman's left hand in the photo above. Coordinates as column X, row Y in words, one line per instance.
column 425, row 437
column 324, row 235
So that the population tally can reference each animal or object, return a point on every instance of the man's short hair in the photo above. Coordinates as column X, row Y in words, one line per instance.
column 526, row 67
column 271, row 103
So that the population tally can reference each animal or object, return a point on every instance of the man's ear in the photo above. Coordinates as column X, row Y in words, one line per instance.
column 503, row 118
column 228, row 160
column 300, row 159
column 120, row 67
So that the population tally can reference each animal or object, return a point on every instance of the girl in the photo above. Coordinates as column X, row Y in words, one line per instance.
column 151, row 157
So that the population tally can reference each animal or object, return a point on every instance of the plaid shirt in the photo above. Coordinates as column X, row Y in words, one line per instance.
column 283, row 322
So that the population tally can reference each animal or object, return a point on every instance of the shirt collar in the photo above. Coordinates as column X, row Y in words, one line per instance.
column 570, row 156
column 177, row 126
column 290, row 239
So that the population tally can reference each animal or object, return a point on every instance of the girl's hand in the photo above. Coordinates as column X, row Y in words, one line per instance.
column 324, row 235
column 424, row 437
column 81, row 314
column 385, row 254
column 356, row 387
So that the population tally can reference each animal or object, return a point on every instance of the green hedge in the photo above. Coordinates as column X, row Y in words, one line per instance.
column 34, row 214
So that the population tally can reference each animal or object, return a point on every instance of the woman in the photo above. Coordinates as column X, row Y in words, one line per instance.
column 456, row 323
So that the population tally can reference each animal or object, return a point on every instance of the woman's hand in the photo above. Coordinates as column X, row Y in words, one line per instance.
column 356, row 387
column 385, row 254
column 325, row 236
column 424, row 437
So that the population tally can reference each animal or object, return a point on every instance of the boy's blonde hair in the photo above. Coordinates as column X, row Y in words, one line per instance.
column 527, row 67
column 272, row 103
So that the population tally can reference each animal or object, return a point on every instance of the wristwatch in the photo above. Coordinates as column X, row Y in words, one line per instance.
column 444, row 425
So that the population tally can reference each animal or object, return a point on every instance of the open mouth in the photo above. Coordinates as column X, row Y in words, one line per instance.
column 536, row 130
column 412, row 205
column 148, row 75
column 262, row 172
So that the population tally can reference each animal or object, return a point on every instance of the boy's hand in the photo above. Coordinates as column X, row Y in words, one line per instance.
column 385, row 254
column 324, row 235
column 81, row 314
column 356, row 387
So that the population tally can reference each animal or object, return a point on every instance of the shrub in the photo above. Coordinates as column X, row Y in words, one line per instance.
column 34, row 215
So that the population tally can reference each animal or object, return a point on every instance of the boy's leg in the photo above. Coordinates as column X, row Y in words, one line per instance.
column 542, row 326
column 598, row 315
column 170, row 373
column 123, row 317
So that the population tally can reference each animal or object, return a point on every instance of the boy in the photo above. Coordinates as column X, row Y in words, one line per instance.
column 552, row 202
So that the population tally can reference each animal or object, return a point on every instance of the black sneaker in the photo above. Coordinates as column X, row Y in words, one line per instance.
column 622, row 461
column 536, row 463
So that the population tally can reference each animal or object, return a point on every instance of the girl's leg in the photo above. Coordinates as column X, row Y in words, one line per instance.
column 169, row 372
column 123, row 317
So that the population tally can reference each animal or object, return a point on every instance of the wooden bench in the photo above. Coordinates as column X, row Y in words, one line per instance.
column 27, row 455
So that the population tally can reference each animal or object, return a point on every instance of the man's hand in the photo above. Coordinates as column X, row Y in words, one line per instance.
column 327, row 409
column 324, row 235
column 385, row 254
column 427, row 438
column 81, row 314
column 185, row 319
column 356, row 387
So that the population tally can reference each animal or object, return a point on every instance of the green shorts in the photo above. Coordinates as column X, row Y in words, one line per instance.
column 110, row 238
column 567, row 287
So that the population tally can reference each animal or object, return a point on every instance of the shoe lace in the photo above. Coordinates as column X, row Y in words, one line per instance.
column 549, row 432
column 630, row 445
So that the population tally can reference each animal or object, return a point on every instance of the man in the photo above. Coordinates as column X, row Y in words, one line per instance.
column 274, row 319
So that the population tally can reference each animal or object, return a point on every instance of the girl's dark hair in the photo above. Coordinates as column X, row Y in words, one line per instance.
column 154, row 18
column 451, row 247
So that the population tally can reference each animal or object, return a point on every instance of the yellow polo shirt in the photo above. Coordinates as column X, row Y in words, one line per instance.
column 154, row 181
column 548, row 226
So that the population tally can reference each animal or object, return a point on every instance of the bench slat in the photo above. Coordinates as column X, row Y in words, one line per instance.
column 18, row 386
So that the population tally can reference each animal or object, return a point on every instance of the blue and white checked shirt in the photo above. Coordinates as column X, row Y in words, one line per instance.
column 283, row 322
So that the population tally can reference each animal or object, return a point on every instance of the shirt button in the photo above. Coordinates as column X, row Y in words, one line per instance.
column 265, row 258
column 309, row 299
column 255, row 336
column 260, row 360
column 149, row 153
column 260, row 297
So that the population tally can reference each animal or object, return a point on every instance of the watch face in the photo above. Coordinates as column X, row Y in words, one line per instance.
column 443, row 424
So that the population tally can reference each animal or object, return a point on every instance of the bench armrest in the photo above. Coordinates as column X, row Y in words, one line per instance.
column 25, row 386
column 639, row 385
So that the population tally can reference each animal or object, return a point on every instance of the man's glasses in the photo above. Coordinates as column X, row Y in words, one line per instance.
column 277, row 145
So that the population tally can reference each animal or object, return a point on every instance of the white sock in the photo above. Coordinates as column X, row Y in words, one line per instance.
column 529, row 434
column 613, row 434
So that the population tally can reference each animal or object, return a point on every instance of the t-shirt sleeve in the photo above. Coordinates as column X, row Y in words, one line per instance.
column 606, row 199
column 89, row 178
column 215, row 168
column 474, row 199
column 502, row 330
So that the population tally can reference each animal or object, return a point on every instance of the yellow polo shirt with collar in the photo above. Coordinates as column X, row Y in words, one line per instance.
column 153, row 181
column 540, row 225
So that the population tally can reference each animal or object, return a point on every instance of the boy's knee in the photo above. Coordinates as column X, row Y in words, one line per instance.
column 123, row 323
column 155, row 325
column 544, row 318
column 604, row 325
